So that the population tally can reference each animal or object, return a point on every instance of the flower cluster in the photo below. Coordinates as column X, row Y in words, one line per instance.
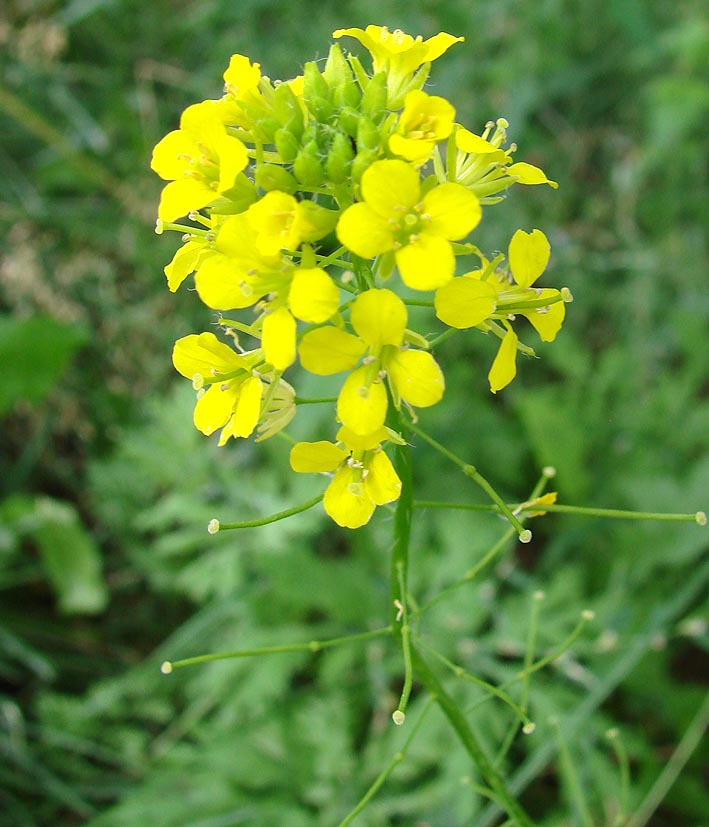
column 310, row 209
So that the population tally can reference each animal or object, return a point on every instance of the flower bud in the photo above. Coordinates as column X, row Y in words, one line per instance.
column 316, row 92
column 374, row 99
column 339, row 158
column 339, row 78
column 364, row 159
column 274, row 177
column 367, row 134
column 287, row 109
column 307, row 167
column 348, row 120
column 287, row 145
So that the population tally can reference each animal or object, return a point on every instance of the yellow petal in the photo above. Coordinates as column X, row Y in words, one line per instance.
column 171, row 155
column 364, row 232
column 362, row 442
column 346, row 500
column 382, row 483
column 529, row 174
column 426, row 264
column 274, row 219
column 278, row 337
column 379, row 317
column 205, row 355
column 328, row 350
column 415, row 150
column 547, row 321
column 465, row 302
column 222, row 285
column 181, row 197
column 528, row 255
column 504, row 367
column 233, row 158
column 469, row 142
column 453, row 209
column 360, row 407
column 213, row 409
column 183, row 263
column 248, row 408
column 416, row 376
column 316, row 457
column 241, row 77
column 313, row 295
column 390, row 188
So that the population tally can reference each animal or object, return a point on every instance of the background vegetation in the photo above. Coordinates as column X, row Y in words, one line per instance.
column 105, row 565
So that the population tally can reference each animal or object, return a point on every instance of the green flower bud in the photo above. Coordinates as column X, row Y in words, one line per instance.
column 348, row 120
column 316, row 92
column 364, row 159
column 374, row 99
column 273, row 177
column 287, row 145
column 307, row 167
column 339, row 159
column 339, row 78
column 287, row 109
column 367, row 134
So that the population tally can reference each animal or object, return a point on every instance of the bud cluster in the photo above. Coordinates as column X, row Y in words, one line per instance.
column 304, row 198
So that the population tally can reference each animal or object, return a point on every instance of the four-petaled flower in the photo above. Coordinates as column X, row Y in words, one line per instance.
column 200, row 159
column 379, row 318
column 394, row 216
column 363, row 474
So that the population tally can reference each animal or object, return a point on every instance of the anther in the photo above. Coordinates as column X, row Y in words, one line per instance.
column 159, row 227
column 529, row 728
column 198, row 381
column 525, row 536
column 549, row 471
column 701, row 518
column 166, row 667
column 566, row 295
column 398, row 717
column 213, row 527
column 588, row 614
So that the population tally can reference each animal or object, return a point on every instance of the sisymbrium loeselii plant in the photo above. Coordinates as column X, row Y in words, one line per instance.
column 313, row 212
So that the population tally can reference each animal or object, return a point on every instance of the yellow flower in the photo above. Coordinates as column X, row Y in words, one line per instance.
column 425, row 121
column 200, row 159
column 238, row 396
column 363, row 474
column 281, row 222
column 481, row 295
column 379, row 318
column 485, row 168
column 394, row 216
column 398, row 54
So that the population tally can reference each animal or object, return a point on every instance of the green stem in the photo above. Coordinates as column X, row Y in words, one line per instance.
column 465, row 734
column 470, row 471
column 583, row 511
column 273, row 518
column 399, row 571
column 690, row 741
column 387, row 771
column 311, row 646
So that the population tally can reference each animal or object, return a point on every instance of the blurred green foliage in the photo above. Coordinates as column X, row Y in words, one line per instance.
column 99, row 453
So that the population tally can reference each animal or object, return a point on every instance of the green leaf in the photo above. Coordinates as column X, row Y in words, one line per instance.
column 34, row 353
column 71, row 559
